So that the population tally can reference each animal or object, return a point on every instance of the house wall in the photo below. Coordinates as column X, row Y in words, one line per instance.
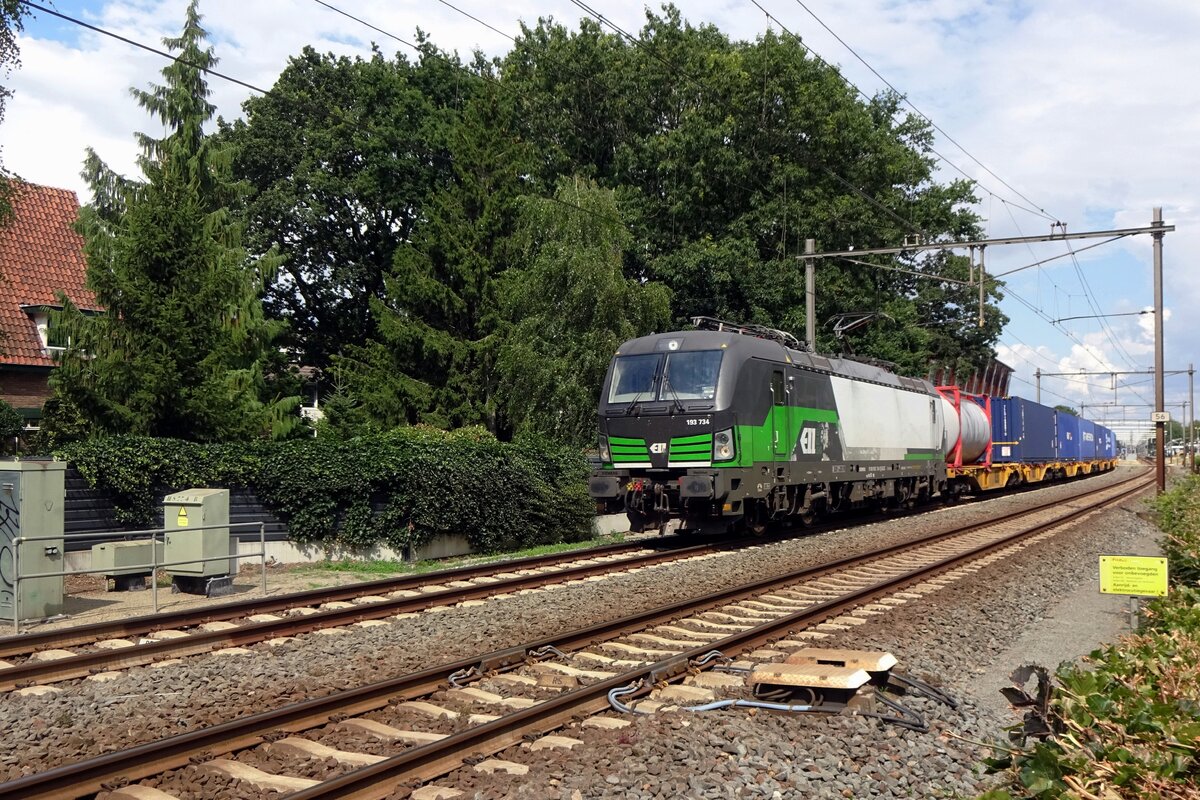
column 24, row 388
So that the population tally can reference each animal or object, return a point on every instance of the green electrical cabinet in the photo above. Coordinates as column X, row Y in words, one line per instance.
column 32, row 494
column 197, row 527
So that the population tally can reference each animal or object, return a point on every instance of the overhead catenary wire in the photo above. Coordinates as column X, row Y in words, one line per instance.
column 909, row 225
column 478, row 75
column 1093, row 303
column 1067, row 333
column 1055, row 258
column 1120, row 350
column 269, row 93
column 1040, row 211
column 146, row 47
column 1037, row 212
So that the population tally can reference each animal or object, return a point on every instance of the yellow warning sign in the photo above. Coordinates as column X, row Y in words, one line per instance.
column 181, row 519
column 1137, row 575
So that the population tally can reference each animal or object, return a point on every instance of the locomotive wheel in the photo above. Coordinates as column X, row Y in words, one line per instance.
column 756, row 521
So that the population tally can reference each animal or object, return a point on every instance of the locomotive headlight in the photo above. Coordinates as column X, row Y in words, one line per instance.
column 604, row 449
column 723, row 447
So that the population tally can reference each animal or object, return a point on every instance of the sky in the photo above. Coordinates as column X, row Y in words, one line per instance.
column 1084, row 112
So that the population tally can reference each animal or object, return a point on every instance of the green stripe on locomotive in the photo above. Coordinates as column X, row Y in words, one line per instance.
column 756, row 444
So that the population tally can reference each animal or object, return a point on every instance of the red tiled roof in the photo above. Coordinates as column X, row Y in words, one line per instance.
column 40, row 254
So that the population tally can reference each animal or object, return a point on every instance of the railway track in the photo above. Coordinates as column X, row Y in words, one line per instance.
column 100, row 649
column 425, row 724
column 41, row 658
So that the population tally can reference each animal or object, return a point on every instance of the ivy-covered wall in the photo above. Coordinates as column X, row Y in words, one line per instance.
column 398, row 488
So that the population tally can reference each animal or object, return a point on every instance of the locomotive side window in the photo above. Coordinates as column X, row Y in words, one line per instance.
column 633, row 378
column 777, row 396
column 691, row 376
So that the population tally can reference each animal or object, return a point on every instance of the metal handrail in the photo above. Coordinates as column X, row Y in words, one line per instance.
column 153, row 566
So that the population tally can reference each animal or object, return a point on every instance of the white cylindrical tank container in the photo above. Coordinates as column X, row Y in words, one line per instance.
column 973, row 425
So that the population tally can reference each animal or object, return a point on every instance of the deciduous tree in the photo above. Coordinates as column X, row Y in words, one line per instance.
column 568, row 309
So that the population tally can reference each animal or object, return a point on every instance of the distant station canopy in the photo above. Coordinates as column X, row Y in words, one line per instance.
column 992, row 380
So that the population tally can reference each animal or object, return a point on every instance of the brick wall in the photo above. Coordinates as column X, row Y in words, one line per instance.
column 24, row 389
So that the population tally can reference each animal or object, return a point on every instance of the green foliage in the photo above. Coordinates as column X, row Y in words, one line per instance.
column 406, row 198
column 433, row 361
column 339, row 157
column 568, row 310
column 1067, row 409
column 61, row 422
column 182, row 348
column 10, row 420
column 1178, row 515
column 11, row 423
column 727, row 155
column 396, row 488
column 1127, row 724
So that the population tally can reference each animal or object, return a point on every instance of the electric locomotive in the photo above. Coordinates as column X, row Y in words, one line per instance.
column 732, row 426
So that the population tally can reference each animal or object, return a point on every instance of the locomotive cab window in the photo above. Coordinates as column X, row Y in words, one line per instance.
column 633, row 378
column 691, row 376
column 778, row 397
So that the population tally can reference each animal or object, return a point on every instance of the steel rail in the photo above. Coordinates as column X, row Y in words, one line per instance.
column 148, row 623
column 140, row 761
column 198, row 642
column 426, row 762
column 27, row 643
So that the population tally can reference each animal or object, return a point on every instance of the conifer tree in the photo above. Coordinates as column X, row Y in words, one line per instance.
column 182, row 347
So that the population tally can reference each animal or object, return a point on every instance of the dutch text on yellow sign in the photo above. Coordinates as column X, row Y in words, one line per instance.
column 181, row 519
column 1137, row 575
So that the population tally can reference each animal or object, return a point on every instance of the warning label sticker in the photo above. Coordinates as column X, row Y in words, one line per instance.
column 181, row 519
column 1135, row 575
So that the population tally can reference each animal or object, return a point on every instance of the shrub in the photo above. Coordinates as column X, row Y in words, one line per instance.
column 1178, row 514
column 396, row 488
column 11, row 423
column 1127, row 724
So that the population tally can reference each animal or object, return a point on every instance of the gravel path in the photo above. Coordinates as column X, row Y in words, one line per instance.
column 965, row 630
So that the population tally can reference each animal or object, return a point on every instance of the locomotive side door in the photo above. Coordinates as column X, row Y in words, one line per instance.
column 781, row 429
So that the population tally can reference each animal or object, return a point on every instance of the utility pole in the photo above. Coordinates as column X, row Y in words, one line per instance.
column 1038, row 376
column 1160, row 463
column 1191, row 431
column 810, row 295
column 982, row 275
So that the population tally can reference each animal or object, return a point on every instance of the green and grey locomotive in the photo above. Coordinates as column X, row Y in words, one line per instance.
column 732, row 426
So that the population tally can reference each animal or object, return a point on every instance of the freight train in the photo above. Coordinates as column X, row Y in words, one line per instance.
column 734, row 426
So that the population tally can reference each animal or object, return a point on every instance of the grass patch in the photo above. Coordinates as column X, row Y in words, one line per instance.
column 385, row 568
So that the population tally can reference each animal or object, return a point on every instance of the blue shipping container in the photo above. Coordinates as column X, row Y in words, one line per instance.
column 1066, row 428
column 1022, row 430
column 1106, row 443
column 1087, row 440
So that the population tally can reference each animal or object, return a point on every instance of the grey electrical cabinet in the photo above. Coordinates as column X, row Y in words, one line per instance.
column 189, row 518
column 32, row 494
column 128, row 564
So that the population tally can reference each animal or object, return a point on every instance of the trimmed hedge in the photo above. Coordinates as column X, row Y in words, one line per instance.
column 1127, row 725
column 397, row 488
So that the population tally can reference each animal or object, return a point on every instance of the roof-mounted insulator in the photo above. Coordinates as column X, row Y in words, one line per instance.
column 758, row 331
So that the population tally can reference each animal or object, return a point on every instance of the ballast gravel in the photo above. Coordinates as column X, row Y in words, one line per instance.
column 953, row 637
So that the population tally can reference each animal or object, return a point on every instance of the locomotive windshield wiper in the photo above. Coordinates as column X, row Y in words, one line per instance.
column 676, row 402
column 637, row 398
